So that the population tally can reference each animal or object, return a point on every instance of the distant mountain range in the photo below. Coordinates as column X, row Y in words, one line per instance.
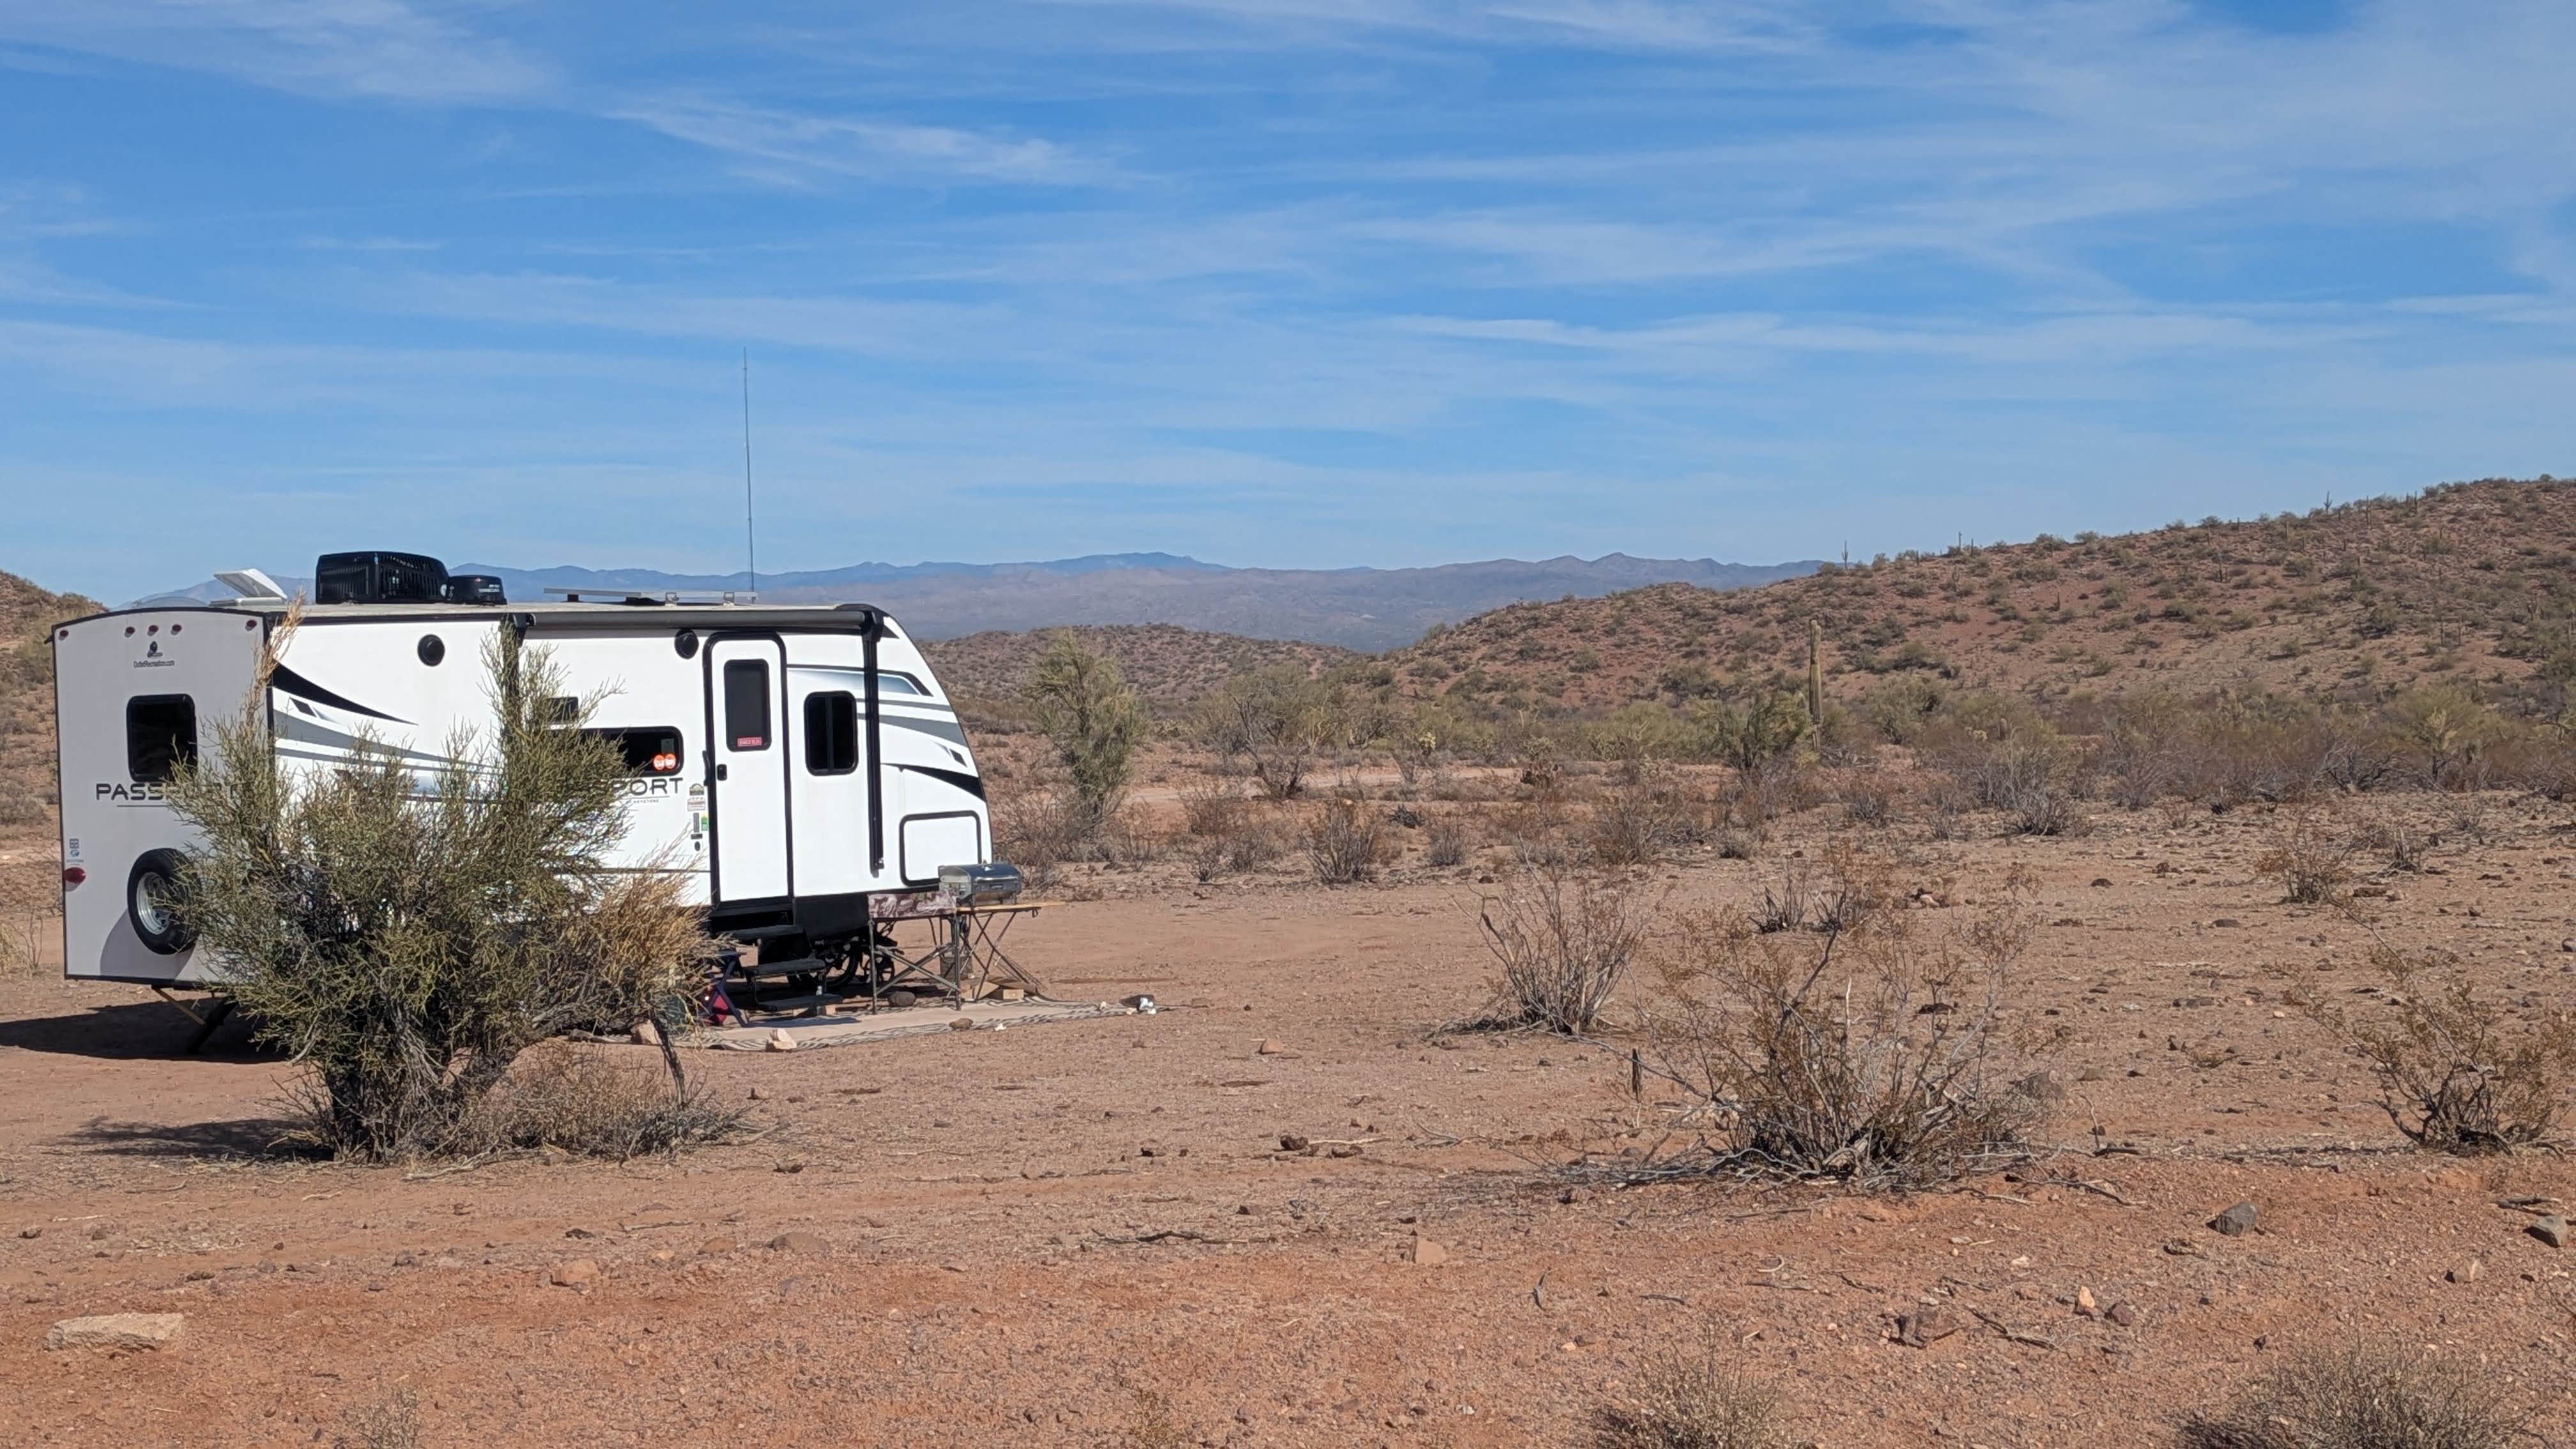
column 1358, row 608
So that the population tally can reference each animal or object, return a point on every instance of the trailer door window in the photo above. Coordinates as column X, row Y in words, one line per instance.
column 746, row 702
column 831, row 733
column 160, row 736
column 651, row 751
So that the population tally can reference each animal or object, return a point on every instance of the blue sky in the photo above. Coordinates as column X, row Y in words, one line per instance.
column 1282, row 282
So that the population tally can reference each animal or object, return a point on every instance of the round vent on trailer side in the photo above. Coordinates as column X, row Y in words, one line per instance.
column 152, row 898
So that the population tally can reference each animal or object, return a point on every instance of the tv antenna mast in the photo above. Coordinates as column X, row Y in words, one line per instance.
column 750, row 540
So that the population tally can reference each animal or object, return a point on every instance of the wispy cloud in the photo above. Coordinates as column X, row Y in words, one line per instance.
column 800, row 146
column 381, row 49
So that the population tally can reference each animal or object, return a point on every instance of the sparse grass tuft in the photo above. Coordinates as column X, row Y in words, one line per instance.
column 1697, row 1399
column 392, row 1422
column 2357, row 1398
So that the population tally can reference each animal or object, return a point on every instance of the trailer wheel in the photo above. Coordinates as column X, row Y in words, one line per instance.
column 152, row 898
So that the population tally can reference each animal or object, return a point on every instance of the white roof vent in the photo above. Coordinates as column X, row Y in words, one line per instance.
column 249, row 583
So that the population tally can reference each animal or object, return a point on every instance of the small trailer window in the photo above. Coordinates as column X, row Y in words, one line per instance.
column 831, row 733
column 746, row 703
column 889, row 682
column 160, row 736
column 650, row 751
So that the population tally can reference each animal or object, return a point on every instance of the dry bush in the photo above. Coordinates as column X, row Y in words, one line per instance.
column 1246, row 841
column 2311, row 854
column 2455, row 1074
column 1638, row 821
column 1212, row 807
column 1835, row 893
column 2363, row 1398
column 1346, row 842
column 1039, row 830
column 1879, row 1054
column 1697, row 1399
column 1445, row 841
column 587, row 1103
column 1564, row 943
column 1274, row 722
column 1868, row 797
column 2406, row 847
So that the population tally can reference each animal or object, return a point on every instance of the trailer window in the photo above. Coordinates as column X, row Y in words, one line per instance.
column 746, row 701
column 651, row 751
column 890, row 682
column 160, row 736
column 831, row 733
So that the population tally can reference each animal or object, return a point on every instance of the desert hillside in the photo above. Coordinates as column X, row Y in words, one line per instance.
column 26, row 697
column 2473, row 582
column 1169, row 665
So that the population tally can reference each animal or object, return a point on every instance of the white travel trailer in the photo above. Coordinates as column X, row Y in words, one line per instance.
column 792, row 762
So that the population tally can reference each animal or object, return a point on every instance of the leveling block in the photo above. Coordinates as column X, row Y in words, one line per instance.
column 798, row 1033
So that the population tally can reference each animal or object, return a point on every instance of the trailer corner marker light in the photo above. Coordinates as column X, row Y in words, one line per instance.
column 73, row 875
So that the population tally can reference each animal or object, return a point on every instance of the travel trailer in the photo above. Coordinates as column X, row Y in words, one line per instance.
column 792, row 762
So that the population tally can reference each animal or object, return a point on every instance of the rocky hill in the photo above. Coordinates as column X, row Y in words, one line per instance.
column 1170, row 666
column 2469, row 582
column 27, row 700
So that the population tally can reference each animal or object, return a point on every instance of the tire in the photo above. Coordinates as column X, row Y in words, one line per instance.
column 152, row 895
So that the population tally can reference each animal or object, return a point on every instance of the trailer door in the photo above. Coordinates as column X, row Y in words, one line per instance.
column 746, row 693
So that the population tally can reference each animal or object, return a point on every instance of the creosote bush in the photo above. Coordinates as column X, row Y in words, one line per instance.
column 2360, row 1398
column 1564, row 943
column 408, row 932
column 1872, row 1047
column 2455, row 1073
column 1697, row 1398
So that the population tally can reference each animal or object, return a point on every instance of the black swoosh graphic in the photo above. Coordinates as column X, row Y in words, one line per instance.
column 296, row 684
column 958, row 778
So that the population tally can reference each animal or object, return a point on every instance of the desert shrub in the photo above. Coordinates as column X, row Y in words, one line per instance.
column 1563, row 944
column 1212, row 807
column 2007, row 758
column 408, row 934
column 1877, row 1054
column 1696, row 1398
column 2455, row 1073
column 1642, row 730
column 2363, row 1398
column 2310, row 853
column 1638, row 821
column 1240, row 840
column 583, row 1102
column 1274, row 722
column 1346, row 842
column 1903, row 707
column 1445, row 841
column 1868, row 796
column 2443, row 730
column 1039, row 830
column 1084, row 707
column 1750, row 736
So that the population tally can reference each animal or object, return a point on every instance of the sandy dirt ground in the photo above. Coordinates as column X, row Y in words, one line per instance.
column 1085, row 1232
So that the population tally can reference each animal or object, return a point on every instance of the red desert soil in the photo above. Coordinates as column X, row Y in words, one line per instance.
column 1084, row 1233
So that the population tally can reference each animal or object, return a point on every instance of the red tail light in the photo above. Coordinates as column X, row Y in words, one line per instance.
column 73, row 875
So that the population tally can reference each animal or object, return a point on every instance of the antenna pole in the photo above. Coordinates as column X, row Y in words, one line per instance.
column 750, row 540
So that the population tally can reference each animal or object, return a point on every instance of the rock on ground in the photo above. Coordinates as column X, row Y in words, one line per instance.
column 118, row 1330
